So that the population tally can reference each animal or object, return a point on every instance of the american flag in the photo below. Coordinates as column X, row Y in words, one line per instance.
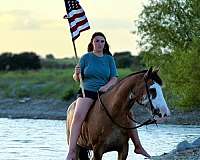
column 76, row 16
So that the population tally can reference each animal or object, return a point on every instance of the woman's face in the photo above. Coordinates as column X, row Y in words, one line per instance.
column 98, row 44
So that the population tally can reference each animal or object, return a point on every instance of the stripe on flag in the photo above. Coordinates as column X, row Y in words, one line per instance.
column 76, row 16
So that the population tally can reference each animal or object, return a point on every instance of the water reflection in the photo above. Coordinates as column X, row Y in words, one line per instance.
column 22, row 139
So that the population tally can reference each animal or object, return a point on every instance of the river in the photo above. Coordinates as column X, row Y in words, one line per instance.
column 28, row 139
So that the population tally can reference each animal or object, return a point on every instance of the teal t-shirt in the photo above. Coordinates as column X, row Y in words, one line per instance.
column 97, row 71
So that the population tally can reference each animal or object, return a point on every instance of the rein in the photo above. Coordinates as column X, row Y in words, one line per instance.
column 147, row 122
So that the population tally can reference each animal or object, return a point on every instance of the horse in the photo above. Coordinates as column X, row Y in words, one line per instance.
column 106, row 125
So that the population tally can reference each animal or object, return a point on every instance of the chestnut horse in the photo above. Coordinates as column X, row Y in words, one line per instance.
column 99, row 133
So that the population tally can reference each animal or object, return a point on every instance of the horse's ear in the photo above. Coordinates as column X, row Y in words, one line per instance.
column 147, row 75
column 156, row 69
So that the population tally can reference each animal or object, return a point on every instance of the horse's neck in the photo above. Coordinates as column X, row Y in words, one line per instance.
column 119, row 95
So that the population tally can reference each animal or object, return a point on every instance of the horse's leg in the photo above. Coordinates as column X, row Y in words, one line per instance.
column 77, row 152
column 123, row 153
column 83, row 153
column 97, row 154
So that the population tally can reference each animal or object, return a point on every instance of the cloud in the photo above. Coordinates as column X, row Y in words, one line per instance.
column 112, row 24
column 25, row 20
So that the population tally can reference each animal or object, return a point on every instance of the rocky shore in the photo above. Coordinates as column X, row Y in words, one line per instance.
column 33, row 108
column 56, row 110
column 184, row 151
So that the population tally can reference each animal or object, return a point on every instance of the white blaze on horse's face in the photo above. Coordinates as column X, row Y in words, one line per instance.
column 159, row 101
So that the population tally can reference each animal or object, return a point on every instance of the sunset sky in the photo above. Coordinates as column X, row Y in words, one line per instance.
column 38, row 25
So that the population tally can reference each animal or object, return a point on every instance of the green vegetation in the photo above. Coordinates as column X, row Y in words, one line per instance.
column 180, row 72
column 168, row 24
column 170, row 38
column 49, row 63
column 55, row 83
column 22, row 61
column 46, row 83
column 126, row 60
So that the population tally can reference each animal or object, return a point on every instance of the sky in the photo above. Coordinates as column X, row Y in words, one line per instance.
column 38, row 26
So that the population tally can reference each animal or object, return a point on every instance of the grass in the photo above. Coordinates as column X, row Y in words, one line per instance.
column 45, row 83
column 38, row 84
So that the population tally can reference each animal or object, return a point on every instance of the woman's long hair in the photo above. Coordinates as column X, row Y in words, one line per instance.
column 106, row 46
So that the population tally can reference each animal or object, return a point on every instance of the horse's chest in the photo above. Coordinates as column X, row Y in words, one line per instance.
column 115, row 139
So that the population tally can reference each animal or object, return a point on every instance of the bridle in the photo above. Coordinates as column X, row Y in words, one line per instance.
column 147, row 122
column 153, row 110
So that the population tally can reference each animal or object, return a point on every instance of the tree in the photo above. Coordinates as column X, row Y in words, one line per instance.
column 183, row 76
column 167, row 24
column 25, row 61
column 170, row 38
column 126, row 60
column 50, row 56
column 22, row 61
column 123, row 59
column 5, row 61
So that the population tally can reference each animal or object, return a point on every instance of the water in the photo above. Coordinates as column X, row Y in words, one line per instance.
column 27, row 139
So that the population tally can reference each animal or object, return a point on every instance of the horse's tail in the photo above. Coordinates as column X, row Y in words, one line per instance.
column 83, row 153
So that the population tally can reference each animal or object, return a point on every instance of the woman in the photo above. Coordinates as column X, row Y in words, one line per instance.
column 98, row 70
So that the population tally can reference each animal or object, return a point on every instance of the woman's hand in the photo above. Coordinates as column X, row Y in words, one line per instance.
column 103, row 89
column 112, row 82
column 77, row 69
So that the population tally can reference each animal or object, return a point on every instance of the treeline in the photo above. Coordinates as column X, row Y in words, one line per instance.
column 23, row 61
column 126, row 60
column 32, row 61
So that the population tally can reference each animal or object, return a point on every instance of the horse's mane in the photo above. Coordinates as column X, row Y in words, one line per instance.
column 143, row 71
column 120, row 80
column 154, row 76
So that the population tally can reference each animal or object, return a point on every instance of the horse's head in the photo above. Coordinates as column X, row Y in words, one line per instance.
column 154, row 95
column 151, row 94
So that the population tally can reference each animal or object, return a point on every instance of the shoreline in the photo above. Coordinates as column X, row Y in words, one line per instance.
column 28, row 108
column 55, row 109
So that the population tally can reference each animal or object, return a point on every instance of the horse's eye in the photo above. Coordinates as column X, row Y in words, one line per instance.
column 153, row 92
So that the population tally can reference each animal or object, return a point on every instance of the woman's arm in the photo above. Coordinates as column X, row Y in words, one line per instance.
column 110, row 83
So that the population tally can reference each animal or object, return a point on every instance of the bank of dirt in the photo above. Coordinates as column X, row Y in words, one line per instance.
column 33, row 108
column 56, row 109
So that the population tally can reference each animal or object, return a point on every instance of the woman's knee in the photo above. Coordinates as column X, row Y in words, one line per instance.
column 82, row 107
column 78, row 116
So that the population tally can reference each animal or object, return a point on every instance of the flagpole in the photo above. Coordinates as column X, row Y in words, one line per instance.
column 78, row 22
column 79, row 76
column 75, row 51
